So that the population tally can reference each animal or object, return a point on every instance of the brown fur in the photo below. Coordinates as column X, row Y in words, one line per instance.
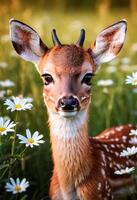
column 67, row 59
column 68, row 55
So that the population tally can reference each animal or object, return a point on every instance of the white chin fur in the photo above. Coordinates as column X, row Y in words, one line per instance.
column 67, row 114
column 66, row 125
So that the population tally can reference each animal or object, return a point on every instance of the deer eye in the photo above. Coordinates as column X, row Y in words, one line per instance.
column 87, row 79
column 47, row 79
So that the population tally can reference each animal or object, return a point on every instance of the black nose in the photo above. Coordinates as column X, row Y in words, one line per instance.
column 68, row 103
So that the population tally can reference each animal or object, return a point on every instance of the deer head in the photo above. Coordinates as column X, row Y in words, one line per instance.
column 67, row 70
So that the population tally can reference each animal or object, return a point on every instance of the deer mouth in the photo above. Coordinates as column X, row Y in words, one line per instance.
column 68, row 113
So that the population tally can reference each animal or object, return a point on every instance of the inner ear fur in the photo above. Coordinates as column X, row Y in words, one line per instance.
column 109, row 42
column 26, row 41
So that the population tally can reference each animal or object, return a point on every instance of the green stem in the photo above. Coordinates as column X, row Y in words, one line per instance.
column 15, row 132
column 0, row 140
column 21, row 154
column 22, row 159
column 13, row 144
column 4, row 172
column 0, row 145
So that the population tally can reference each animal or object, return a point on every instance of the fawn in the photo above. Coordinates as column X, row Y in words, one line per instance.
column 83, row 166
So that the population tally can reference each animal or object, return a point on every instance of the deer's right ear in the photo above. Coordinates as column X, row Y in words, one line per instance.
column 26, row 41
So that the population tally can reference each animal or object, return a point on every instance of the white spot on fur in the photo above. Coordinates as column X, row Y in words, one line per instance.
column 112, row 131
column 122, row 145
column 110, row 165
column 116, row 153
column 119, row 128
column 109, row 158
column 103, row 172
column 124, row 137
column 104, row 159
column 99, row 186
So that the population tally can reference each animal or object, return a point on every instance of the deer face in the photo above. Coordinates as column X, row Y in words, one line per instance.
column 67, row 70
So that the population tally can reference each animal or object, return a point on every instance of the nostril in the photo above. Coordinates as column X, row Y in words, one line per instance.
column 62, row 103
column 74, row 102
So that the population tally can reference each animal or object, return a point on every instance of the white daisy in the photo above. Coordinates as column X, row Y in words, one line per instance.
column 3, row 64
column 2, row 93
column 17, row 186
column 7, row 83
column 17, row 103
column 125, row 68
column 29, row 99
column 111, row 69
column 133, row 140
column 129, row 151
column 134, row 47
column 133, row 132
column 132, row 79
column 5, row 38
column 106, row 82
column 6, row 126
column 125, row 60
column 31, row 140
column 124, row 171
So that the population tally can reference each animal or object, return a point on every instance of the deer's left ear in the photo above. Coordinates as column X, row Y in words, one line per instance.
column 26, row 41
column 109, row 42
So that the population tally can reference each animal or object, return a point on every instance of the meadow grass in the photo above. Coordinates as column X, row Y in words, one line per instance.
column 110, row 106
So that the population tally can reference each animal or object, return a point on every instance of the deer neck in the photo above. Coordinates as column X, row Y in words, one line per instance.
column 70, row 145
column 68, row 129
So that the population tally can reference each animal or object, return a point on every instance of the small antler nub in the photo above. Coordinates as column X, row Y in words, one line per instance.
column 55, row 38
column 81, row 38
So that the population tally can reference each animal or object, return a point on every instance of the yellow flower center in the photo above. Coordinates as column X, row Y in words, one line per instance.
column 17, row 188
column 30, row 140
column 135, row 81
column 2, row 129
column 18, row 106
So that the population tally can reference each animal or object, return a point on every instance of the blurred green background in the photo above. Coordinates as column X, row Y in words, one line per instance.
column 111, row 105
